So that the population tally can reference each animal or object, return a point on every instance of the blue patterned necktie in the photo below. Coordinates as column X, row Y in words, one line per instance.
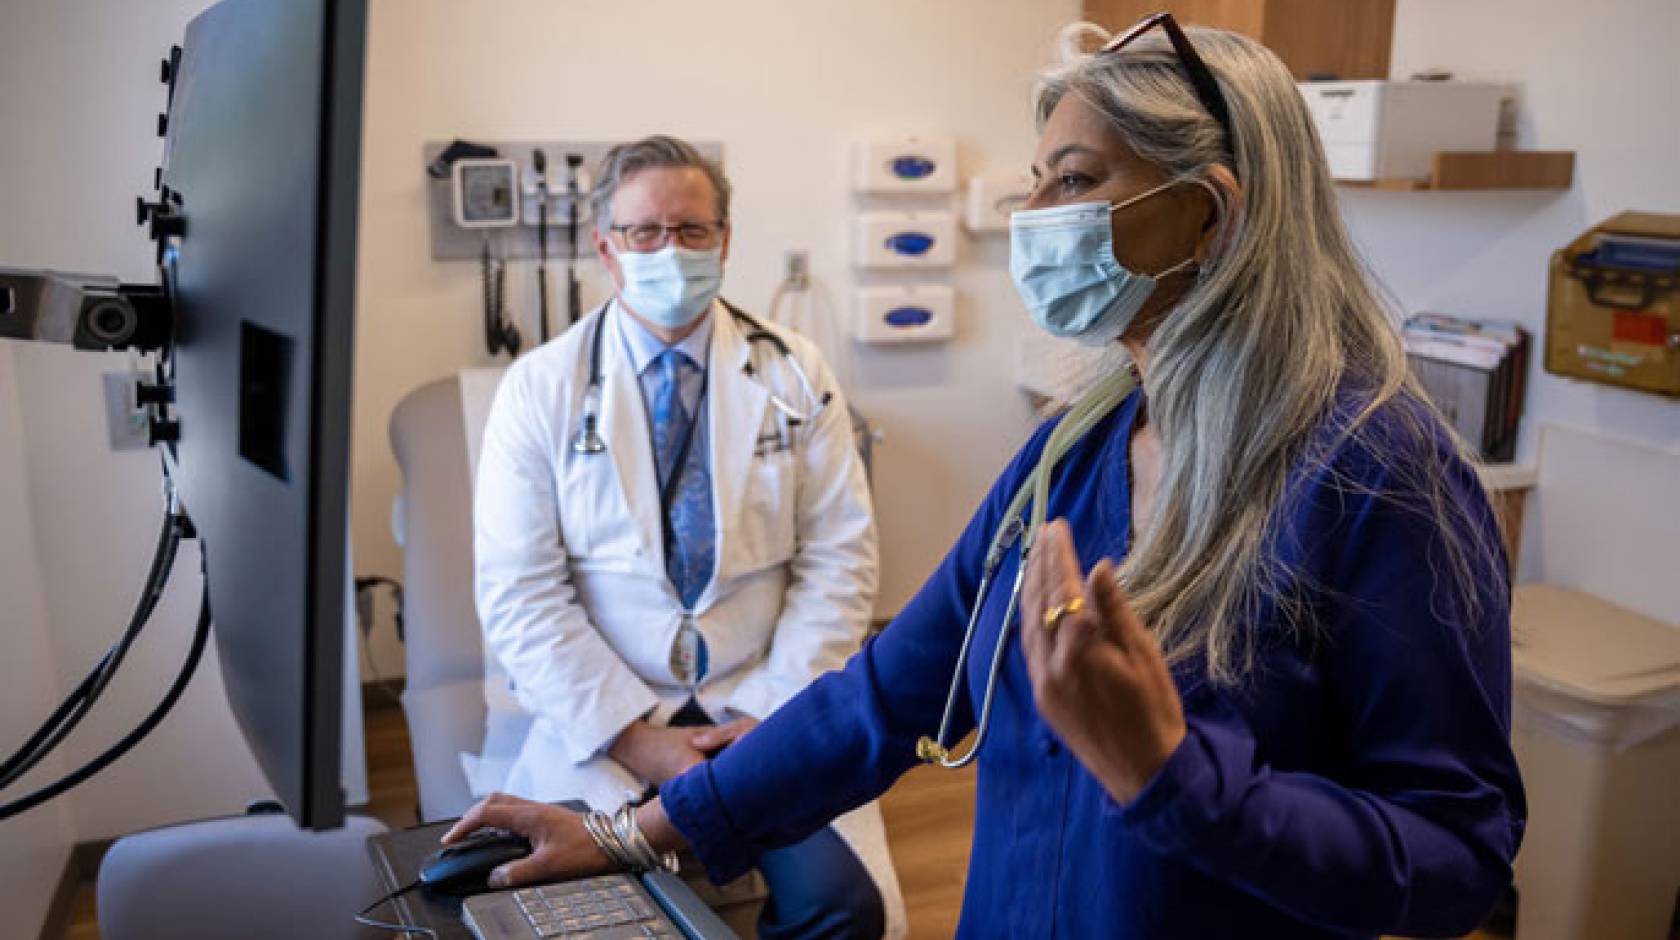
column 690, row 535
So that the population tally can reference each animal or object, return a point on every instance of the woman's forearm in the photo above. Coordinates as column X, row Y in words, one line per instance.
column 651, row 818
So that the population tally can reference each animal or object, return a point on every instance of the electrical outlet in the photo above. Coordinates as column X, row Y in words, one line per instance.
column 125, row 422
column 798, row 269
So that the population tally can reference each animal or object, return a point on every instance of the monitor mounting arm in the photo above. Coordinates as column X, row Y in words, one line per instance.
column 90, row 311
column 96, row 313
column 83, row 310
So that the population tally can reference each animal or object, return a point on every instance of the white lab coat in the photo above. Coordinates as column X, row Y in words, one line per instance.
column 571, row 584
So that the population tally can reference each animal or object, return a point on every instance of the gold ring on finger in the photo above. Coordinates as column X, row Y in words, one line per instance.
column 1053, row 616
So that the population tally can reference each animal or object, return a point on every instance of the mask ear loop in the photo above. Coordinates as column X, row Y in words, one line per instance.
column 1189, row 262
column 1221, row 220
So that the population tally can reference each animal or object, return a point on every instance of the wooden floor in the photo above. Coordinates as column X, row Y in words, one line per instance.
column 929, row 817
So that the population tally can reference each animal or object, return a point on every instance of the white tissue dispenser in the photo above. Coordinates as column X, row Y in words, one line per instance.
column 904, row 240
column 920, row 164
column 890, row 314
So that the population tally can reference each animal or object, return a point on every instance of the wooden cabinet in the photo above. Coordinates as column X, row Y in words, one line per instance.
column 1315, row 38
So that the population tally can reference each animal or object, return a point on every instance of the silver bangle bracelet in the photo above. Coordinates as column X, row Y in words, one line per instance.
column 599, row 827
column 620, row 838
column 629, row 832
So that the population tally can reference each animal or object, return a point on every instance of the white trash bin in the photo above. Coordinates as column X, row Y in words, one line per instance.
column 1597, row 734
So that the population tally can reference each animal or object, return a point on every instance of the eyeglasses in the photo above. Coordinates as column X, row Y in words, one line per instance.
column 1201, row 77
column 651, row 236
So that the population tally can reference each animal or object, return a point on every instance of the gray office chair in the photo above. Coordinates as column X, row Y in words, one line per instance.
column 253, row 877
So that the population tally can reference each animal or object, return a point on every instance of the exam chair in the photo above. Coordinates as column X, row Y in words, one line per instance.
column 443, row 693
column 257, row 877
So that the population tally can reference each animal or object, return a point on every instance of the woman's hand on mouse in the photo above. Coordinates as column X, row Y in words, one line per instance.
column 560, row 846
column 1097, row 673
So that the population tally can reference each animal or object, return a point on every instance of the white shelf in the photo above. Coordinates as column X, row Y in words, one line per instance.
column 1505, row 477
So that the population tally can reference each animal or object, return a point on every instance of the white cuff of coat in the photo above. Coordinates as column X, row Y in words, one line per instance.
column 588, row 733
column 760, row 695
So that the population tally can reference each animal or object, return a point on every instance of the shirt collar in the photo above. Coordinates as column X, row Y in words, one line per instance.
column 644, row 347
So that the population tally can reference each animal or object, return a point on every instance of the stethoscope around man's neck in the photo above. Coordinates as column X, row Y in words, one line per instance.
column 1085, row 414
column 589, row 440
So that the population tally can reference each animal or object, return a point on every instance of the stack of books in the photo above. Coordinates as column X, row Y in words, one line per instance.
column 1476, row 373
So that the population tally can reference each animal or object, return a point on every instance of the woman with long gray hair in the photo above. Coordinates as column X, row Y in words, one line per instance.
column 1282, row 708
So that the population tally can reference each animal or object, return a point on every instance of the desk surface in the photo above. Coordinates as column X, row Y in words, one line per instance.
column 397, row 856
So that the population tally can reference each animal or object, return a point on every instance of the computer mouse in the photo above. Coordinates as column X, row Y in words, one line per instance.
column 463, row 868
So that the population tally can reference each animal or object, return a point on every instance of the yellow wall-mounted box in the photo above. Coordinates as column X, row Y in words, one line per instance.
column 1613, row 304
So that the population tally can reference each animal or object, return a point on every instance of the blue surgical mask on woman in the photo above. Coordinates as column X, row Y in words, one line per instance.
column 1062, row 259
column 670, row 286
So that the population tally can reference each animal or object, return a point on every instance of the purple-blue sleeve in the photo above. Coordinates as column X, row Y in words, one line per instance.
column 843, row 740
column 1416, row 836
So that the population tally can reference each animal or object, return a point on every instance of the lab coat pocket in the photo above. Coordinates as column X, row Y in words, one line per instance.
column 769, row 509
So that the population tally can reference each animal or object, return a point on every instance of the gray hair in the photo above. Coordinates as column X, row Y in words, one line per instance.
column 1246, row 370
column 627, row 159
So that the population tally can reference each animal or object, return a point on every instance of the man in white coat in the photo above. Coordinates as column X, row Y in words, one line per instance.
column 673, row 532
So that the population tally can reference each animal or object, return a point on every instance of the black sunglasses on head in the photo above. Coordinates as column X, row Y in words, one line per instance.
column 1201, row 77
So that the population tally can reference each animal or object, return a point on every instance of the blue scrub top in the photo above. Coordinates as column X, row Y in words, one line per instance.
column 1359, row 782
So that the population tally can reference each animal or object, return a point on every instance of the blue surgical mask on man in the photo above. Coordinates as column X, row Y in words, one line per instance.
column 671, row 286
column 1062, row 259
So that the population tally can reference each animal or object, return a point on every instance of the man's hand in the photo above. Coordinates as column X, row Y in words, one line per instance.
column 714, row 739
column 656, row 754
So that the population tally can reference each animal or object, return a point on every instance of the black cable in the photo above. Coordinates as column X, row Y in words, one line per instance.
column 94, row 685
column 539, row 162
column 201, row 636
column 368, row 583
column 366, row 921
column 492, row 339
column 81, row 700
column 574, row 295
column 499, row 334
column 364, row 620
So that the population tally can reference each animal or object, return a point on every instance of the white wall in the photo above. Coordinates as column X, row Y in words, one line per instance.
column 35, row 845
column 79, row 95
column 1593, row 77
column 785, row 87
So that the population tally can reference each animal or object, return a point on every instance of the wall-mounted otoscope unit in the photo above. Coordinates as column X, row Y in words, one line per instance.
column 502, row 201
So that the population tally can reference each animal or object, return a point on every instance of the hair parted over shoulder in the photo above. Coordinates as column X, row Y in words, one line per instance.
column 1251, row 373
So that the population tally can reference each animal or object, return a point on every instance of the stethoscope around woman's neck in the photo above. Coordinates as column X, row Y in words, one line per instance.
column 589, row 440
column 1085, row 414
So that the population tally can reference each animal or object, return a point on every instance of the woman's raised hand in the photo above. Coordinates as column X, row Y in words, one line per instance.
column 1098, row 676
